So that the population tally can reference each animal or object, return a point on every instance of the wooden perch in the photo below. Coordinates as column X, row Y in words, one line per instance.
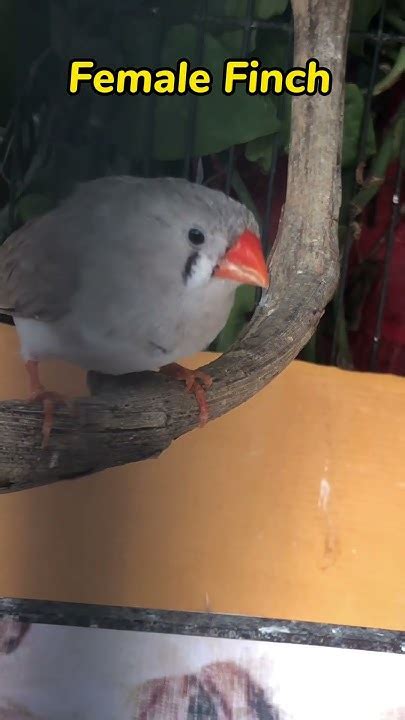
column 136, row 417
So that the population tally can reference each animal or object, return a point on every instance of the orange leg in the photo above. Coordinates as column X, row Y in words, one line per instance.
column 197, row 382
column 48, row 399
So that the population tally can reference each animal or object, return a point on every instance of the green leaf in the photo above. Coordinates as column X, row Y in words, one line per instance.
column 261, row 152
column 264, row 9
column 233, row 41
column 354, row 107
column 397, row 70
column 363, row 13
column 239, row 315
column 221, row 121
column 243, row 194
column 396, row 18
column 272, row 49
column 388, row 151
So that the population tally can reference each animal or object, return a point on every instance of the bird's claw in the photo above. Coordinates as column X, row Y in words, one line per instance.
column 197, row 376
column 197, row 382
column 50, row 400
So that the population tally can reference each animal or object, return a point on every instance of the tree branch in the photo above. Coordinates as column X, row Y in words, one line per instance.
column 136, row 417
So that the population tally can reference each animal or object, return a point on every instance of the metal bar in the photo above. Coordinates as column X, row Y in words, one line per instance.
column 252, row 24
column 203, row 625
column 395, row 216
column 360, row 158
column 247, row 30
column 151, row 111
column 193, row 100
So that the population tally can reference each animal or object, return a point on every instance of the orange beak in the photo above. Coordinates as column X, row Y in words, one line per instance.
column 244, row 262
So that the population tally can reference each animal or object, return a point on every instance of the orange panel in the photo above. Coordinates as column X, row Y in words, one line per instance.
column 292, row 506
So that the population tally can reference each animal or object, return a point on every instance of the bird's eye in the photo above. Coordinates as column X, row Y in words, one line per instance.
column 196, row 237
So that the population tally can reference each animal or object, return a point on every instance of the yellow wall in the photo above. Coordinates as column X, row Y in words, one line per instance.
column 292, row 506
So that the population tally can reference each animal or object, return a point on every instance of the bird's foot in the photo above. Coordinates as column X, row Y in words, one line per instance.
column 49, row 399
column 197, row 382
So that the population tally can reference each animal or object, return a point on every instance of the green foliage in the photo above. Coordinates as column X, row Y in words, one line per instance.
column 260, row 150
column 354, row 107
column 222, row 120
column 272, row 50
column 234, row 40
column 240, row 313
column 119, row 128
column 388, row 151
column 264, row 9
column 362, row 14
column 397, row 70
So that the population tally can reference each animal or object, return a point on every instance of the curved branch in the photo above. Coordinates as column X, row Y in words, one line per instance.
column 135, row 417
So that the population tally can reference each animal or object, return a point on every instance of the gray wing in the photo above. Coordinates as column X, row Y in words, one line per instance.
column 38, row 269
column 41, row 263
column 103, row 229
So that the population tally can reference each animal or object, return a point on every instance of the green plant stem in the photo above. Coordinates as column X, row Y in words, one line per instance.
column 243, row 193
column 387, row 153
column 396, row 21
column 394, row 74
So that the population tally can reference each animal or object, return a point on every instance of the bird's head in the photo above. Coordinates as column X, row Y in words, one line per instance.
column 216, row 238
column 240, row 260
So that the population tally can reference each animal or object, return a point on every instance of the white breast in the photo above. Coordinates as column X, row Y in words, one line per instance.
column 144, row 339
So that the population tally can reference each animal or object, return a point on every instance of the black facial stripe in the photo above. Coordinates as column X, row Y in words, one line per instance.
column 188, row 268
column 155, row 346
